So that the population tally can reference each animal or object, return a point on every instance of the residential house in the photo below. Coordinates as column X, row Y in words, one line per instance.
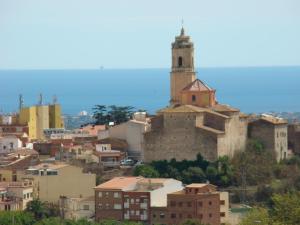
column 52, row 180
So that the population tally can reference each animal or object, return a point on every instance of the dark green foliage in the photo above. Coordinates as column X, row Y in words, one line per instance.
column 117, row 114
column 192, row 222
column 38, row 209
column 190, row 171
column 145, row 171
column 193, row 175
column 16, row 218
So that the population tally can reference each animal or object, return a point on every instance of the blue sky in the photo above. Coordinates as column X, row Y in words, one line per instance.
column 70, row 34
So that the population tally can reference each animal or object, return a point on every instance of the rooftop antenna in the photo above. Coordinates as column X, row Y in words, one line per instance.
column 40, row 99
column 54, row 99
column 182, row 29
column 21, row 101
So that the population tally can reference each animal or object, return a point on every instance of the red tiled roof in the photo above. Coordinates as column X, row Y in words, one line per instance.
column 119, row 183
column 197, row 85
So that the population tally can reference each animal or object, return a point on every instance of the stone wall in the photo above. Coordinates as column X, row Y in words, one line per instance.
column 183, row 136
column 235, row 135
column 294, row 138
column 273, row 136
column 214, row 121
column 180, row 139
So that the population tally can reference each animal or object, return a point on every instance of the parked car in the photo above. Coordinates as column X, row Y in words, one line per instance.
column 127, row 162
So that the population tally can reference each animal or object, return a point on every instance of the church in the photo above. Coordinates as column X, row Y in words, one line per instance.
column 194, row 122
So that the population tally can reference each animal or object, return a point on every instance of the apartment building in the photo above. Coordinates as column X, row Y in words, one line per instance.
column 77, row 208
column 15, row 195
column 197, row 201
column 131, row 198
column 52, row 180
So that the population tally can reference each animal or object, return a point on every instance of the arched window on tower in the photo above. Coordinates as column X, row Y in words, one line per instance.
column 179, row 61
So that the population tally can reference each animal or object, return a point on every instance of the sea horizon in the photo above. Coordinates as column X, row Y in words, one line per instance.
column 251, row 89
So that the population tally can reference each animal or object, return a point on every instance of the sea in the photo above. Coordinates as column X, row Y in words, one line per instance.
column 251, row 89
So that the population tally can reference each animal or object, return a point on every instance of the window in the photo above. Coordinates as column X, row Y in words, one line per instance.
column 193, row 98
column 106, row 194
column 86, row 207
column 27, row 195
column 173, row 203
column 132, row 200
column 100, row 205
column 222, row 214
column 116, row 195
column 100, row 194
column 117, row 206
column 51, row 173
column 210, row 203
column 24, row 196
column 180, row 61
column 137, row 200
column 162, row 215
column 154, row 215
column 222, row 202
column 180, row 204
column 200, row 204
column 173, row 215
column 107, row 205
column 189, row 204
column 7, row 207
column 137, row 212
column 200, row 216
column 210, row 215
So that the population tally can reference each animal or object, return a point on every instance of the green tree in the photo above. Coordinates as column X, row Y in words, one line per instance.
column 38, row 209
column 193, row 175
column 258, row 216
column 211, row 174
column 255, row 164
column 120, row 114
column 100, row 114
column 145, row 171
column 286, row 208
column 16, row 218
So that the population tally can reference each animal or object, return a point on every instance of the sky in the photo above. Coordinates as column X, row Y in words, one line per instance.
column 88, row 34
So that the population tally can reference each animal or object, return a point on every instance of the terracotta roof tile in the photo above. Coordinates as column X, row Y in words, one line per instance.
column 119, row 183
column 223, row 108
column 197, row 85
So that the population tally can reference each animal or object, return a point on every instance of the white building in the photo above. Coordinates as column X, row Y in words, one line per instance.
column 131, row 131
column 77, row 208
column 9, row 144
column 15, row 195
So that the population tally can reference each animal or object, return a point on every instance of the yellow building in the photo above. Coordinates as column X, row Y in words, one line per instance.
column 40, row 117
column 28, row 116
column 55, row 118
column 59, row 179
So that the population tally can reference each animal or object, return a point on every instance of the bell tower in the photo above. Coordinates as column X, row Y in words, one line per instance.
column 183, row 72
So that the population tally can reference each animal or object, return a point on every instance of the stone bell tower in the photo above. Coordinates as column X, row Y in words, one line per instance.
column 183, row 72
